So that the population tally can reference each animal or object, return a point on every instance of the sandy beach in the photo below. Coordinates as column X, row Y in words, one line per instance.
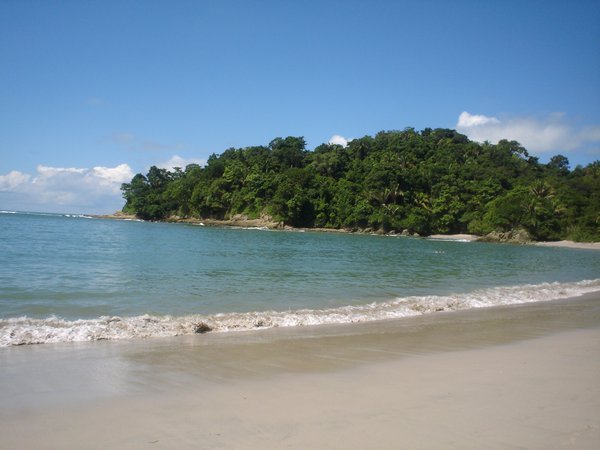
column 562, row 244
column 571, row 244
column 508, row 377
column 454, row 237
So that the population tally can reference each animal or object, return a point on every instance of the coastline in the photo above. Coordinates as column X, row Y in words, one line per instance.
column 559, row 244
column 268, row 223
column 515, row 376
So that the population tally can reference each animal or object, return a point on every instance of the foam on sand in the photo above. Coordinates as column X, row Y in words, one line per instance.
column 25, row 330
column 522, row 377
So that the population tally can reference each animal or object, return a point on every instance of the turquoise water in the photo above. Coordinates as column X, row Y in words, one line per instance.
column 129, row 278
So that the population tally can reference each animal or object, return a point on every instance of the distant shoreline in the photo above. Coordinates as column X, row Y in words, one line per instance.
column 562, row 244
column 570, row 244
column 265, row 222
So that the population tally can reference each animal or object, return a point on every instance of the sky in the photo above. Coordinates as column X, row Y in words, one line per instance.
column 92, row 92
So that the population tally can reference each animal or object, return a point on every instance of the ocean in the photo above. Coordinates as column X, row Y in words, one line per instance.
column 72, row 278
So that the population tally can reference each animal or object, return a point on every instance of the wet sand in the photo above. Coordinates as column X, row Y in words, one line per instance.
column 519, row 376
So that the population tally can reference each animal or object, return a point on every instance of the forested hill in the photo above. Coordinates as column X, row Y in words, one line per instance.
column 432, row 181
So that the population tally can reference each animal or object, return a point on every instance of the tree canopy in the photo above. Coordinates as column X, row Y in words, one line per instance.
column 432, row 181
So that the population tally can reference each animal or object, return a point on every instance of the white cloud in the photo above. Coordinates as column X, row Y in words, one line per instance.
column 471, row 120
column 339, row 140
column 65, row 189
column 550, row 134
column 178, row 161
column 12, row 180
column 46, row 171
column 111, row 176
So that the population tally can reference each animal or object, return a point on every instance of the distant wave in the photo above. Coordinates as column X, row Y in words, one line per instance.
column 77, row 216
column 24, row 330
column 31, row 213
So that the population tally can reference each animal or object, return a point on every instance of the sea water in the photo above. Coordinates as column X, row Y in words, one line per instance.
column 76, row 278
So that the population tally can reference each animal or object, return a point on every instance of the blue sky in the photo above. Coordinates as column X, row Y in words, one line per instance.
column 92, row 92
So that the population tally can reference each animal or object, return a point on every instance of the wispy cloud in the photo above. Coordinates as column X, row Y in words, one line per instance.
column 64, row 189
column 553, row 133
column 147, row 145
column 121, row 138
column 132, row 142
column 94, row 101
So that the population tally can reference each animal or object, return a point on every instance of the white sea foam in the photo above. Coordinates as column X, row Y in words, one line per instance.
column 77, row 216
column 33, row 213
column 24, row 330
column 451, row 240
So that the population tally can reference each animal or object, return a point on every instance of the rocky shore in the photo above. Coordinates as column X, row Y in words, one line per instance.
column 518, row 236
column 237, row 220
column 117, row 215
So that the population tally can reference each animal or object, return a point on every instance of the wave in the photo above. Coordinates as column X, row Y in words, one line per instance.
column 43, row 214
column 77, row 216
column 24, row 330
column 30, row 213
column 236, row 227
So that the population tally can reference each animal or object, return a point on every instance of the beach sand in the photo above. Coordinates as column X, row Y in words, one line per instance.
column 525, row 376
column 571, row 244
column 563, row 244
column 454, row 237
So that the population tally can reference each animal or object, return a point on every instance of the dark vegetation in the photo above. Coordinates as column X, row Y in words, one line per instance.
column 433, row 181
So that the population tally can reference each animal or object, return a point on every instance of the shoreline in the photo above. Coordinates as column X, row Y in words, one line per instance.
column 262, row 223
column 513, row 376
column 52, row 330
column 569, row 244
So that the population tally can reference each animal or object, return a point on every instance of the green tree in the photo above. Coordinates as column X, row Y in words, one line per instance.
column 436, row 180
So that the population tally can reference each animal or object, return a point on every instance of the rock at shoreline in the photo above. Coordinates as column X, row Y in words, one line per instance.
column 517, row 236
column 237, row 220
column 117, row 215
column 201, row 328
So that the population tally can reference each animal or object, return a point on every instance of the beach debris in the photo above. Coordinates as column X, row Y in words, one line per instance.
column 201, row 328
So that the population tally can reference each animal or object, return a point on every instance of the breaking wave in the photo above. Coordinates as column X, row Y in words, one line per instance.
column 29, row 213
column 24, row 330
